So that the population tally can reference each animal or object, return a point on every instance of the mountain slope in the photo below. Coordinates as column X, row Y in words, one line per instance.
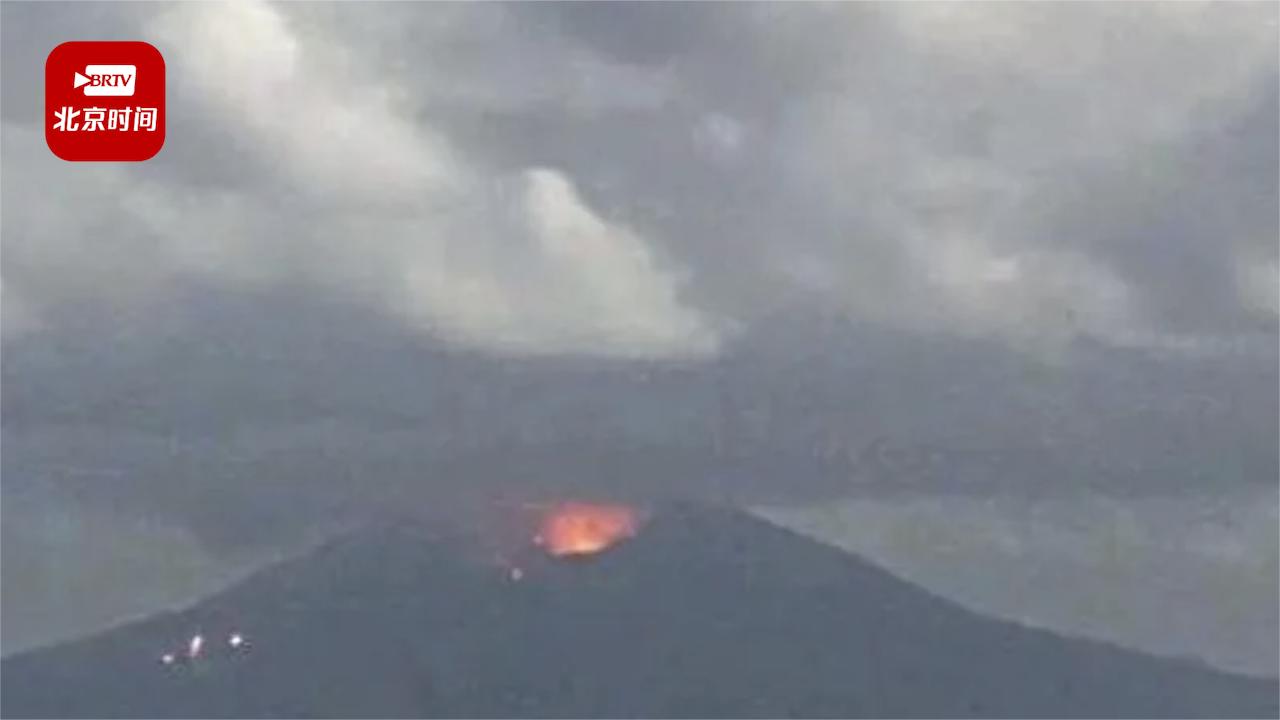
column 705, row 613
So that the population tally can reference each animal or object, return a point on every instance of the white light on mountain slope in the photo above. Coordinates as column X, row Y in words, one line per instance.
column 194, row 647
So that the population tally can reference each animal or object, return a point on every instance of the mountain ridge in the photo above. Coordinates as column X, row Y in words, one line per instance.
column 705, row 612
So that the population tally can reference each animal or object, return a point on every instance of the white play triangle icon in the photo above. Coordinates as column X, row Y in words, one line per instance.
column 79, row 80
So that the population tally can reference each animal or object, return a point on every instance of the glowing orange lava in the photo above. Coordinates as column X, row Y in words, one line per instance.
column 578, row 528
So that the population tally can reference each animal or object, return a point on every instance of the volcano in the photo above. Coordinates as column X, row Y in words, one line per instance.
column 704, row 612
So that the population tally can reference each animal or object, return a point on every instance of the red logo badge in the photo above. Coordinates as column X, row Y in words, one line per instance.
column 104, row 101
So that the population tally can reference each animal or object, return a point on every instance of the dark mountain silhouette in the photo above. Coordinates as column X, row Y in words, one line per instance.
column 705, row 613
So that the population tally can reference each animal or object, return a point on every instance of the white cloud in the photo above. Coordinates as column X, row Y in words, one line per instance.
column 348, row 191
column 330, row 130
column 958, row 146
column 1258, row 281
column 926, row 180
column 576, row 283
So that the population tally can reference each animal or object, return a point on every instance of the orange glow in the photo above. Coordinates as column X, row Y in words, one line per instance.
column 576, row 528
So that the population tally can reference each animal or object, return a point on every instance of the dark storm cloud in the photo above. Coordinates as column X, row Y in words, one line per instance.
column 251, row 418
column 860, row 237
column 934, row 169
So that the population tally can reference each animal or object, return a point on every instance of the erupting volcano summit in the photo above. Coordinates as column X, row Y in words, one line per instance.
column 580, row 528
column 706, row 612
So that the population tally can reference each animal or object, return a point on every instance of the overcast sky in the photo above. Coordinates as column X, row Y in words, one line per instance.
column 988, row 293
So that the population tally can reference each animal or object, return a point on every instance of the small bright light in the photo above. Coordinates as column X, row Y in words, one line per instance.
column 167, row 658
column 236, row 640
column 193, row 649
column 517, row 574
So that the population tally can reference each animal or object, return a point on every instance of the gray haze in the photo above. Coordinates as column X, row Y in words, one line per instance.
column 988, row 293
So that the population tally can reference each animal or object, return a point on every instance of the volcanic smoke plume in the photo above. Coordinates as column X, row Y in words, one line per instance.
column 579, row 528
